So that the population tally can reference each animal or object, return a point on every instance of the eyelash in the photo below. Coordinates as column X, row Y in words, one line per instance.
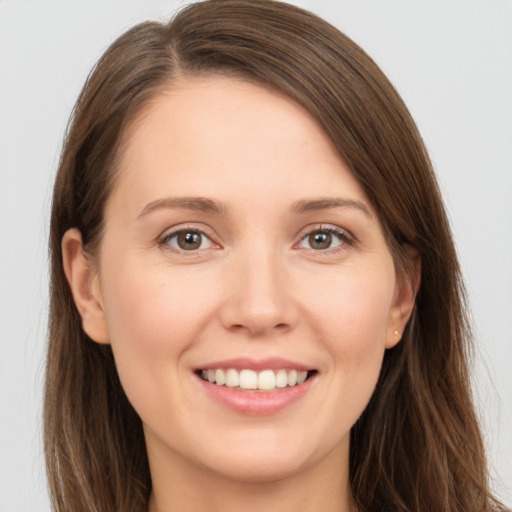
column 164, row 240
column 344, row 237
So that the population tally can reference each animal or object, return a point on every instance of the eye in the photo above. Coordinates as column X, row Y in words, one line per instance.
column 323, row 239
column 187, row 240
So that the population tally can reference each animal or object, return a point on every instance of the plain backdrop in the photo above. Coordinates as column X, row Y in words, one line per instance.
column 451, row 61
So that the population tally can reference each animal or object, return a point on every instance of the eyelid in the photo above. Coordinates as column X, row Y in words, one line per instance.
column 346, row 238
column 163, row 239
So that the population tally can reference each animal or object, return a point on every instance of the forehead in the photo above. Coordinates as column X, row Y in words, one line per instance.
column 216, row 136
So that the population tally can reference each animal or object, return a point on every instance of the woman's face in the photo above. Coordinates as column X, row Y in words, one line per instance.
column 238, row 245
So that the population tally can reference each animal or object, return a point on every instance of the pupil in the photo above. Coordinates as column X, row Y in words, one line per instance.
column 189, row 240
column 320, row 240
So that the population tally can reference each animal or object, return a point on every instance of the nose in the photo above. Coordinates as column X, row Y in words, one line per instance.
column 259, row 299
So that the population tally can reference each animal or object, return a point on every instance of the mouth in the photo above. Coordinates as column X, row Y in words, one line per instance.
column 250, row 380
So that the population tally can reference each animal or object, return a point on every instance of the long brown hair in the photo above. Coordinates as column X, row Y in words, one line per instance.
column 417, row 446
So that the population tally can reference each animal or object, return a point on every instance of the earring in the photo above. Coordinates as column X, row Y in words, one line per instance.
column 396, row 333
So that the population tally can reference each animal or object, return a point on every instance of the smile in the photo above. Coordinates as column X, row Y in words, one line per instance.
column 251, row 380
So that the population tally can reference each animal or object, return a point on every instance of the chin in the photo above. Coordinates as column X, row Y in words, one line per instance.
column 262, row 463
column 260, row 471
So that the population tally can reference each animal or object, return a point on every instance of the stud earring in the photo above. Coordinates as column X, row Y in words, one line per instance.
column 396, row 333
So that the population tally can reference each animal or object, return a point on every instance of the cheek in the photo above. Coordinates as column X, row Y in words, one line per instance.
column 154, row 307
column 351, row 317
column 357, row 344
column 355, row 305
column 154, row 316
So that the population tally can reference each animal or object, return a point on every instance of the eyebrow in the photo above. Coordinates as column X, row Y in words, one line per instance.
column 201, row 204
column 206, row 205
column 323, row 203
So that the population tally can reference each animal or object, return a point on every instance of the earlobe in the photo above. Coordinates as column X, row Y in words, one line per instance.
column 84, row 283
column 407, row 287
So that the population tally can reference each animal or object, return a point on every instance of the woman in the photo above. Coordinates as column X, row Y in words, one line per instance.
column 256, row 301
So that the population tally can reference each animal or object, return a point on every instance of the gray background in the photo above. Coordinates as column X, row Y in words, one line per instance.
column 450, row 60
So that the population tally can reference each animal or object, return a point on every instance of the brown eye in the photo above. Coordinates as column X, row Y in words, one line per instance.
column 188, row 240
column 320, row 240
column 324, row 239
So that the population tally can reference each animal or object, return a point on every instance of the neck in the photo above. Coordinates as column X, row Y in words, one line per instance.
column 324, row 486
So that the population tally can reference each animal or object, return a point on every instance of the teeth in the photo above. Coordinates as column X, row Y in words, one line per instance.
column 266, row 380
column 248, row 379
column 292, row 378
column 301, row 377
column 281, row 379
column 232, row 378
column 251, row 380
column 220, row 377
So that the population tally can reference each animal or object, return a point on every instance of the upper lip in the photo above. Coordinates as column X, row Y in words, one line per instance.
column 241, row 363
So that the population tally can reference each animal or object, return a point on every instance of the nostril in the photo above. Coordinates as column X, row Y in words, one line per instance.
column 257, row 329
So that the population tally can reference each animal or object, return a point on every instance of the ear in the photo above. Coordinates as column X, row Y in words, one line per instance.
column 84, row 282
column 406, row 288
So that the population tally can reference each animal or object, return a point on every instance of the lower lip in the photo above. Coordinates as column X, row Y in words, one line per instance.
column 257, row 403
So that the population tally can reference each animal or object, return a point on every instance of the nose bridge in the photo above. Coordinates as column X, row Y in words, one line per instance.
column 260, row 300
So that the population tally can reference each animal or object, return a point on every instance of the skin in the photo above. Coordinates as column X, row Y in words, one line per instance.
column 256, row 288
